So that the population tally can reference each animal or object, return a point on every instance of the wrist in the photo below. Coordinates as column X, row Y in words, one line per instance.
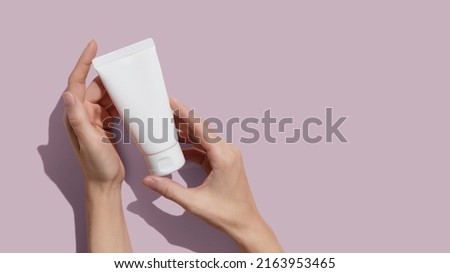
column 95, row 190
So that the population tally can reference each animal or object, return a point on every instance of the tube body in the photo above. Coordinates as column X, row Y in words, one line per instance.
column 133, row 78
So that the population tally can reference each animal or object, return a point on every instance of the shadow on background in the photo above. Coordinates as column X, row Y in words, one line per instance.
column 61, row 166
column 186, row 230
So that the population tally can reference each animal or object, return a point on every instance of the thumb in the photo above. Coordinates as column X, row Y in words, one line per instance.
column 169, row 189
column 78, row 118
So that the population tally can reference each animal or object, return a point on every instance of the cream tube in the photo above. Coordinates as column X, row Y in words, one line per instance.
column 133, row 78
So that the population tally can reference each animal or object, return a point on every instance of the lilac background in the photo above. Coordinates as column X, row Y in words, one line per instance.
column 385, row 64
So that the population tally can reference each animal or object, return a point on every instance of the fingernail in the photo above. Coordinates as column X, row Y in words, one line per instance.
column 150, row 182
column 68, row 99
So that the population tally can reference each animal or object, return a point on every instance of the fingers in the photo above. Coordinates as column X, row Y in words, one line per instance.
column 96, row 93
column 185, row 137
column 169, row 189
column 78, row 119
column 195, row 155
column 195, row 124
column 78, row 76
column 198, row 156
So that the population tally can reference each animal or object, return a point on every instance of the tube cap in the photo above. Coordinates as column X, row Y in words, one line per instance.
column 166, row 162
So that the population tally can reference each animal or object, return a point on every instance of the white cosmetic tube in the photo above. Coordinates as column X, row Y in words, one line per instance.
column 133, row 78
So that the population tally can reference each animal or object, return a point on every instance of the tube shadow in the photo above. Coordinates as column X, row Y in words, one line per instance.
column 62, row 168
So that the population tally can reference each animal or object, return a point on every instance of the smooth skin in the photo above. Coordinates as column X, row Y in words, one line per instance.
column 223, row 200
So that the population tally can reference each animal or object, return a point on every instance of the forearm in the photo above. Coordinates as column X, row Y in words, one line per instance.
column 256, row 236
column 107, row 229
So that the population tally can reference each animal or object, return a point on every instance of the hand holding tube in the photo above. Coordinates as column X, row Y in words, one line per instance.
column 224, row 199
column 102, row 167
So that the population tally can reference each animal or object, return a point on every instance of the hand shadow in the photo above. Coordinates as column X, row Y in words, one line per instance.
column 185, row 230
column 62, row 168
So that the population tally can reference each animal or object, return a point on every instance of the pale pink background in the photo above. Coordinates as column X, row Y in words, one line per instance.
column 385, row 64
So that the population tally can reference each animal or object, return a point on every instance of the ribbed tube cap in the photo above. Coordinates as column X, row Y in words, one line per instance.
column 166, row 162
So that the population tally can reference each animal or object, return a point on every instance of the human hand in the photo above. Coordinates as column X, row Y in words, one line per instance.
column 86, row 109
column 224, row 199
